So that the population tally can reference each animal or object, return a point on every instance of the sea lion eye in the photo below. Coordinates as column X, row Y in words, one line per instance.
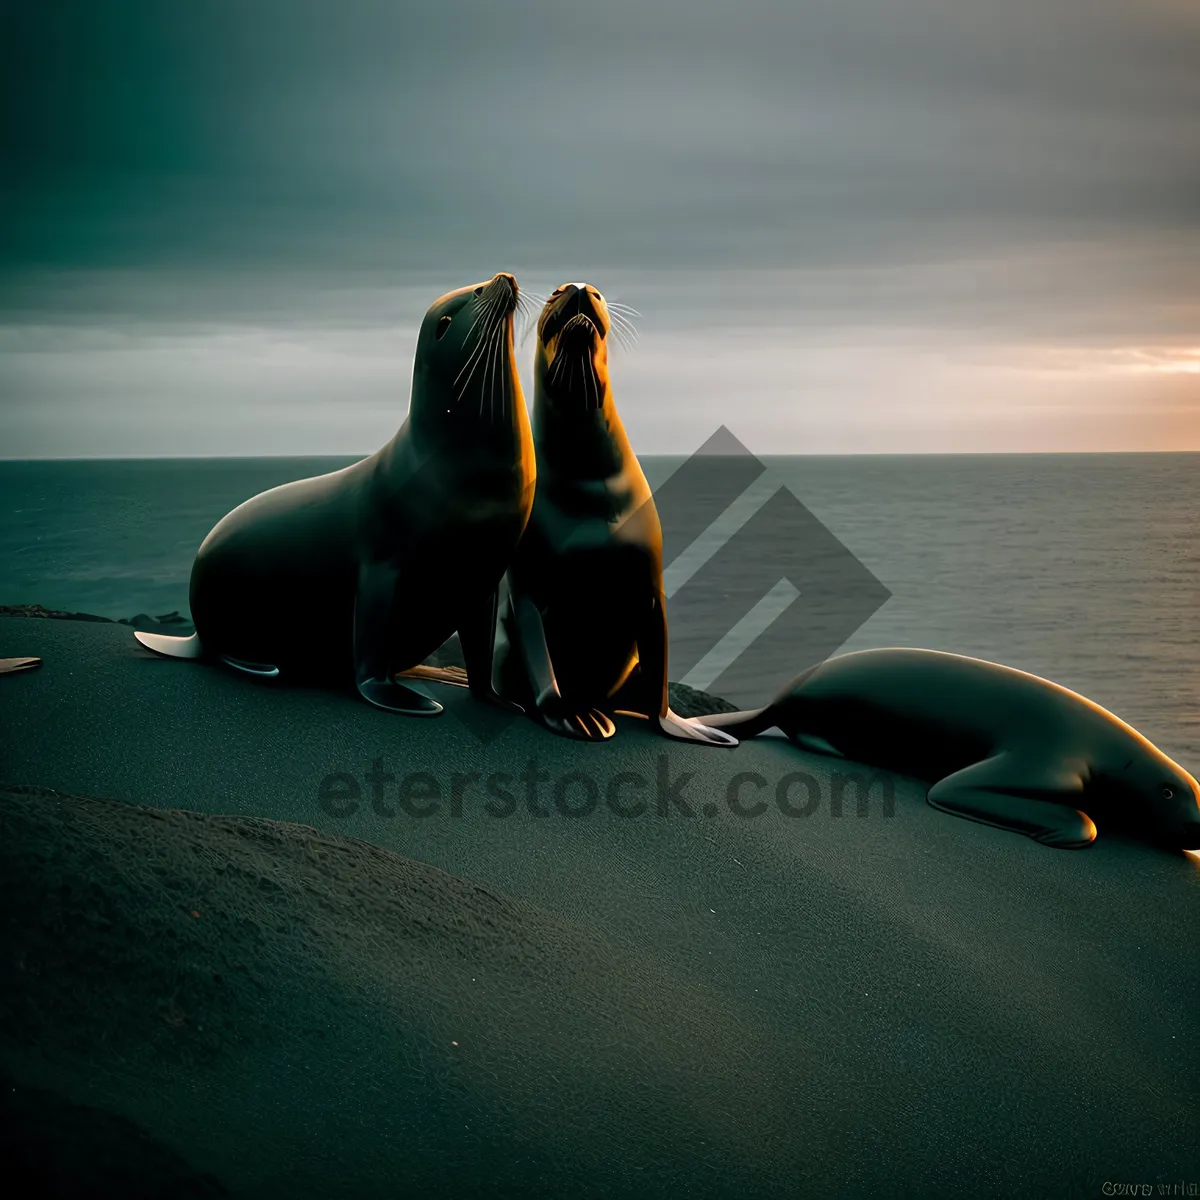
column 442, row 326
column 1168, row 793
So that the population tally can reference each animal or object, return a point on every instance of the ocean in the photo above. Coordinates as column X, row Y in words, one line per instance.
column 1081, row 568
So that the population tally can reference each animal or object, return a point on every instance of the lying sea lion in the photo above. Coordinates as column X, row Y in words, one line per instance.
column 586, row 615
column 999, row 746
column 365, row 572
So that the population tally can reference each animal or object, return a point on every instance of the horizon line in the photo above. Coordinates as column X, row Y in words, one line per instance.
column 645, row 454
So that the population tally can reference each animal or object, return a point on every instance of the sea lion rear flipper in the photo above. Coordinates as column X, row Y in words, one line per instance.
column 1016, row 792
column 13, row 666
column 454, row 676
column 170, row 645
column 374, row 603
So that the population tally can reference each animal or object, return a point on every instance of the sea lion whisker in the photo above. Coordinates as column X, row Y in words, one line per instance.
column 480, row 309
column 473, row 363
column 585, row 370
column 619, row 320
column 486, row 381
column 497, row 374
column 477, row 355
column 476, row 352
column 614, row 304
column 621, row 336
column 497, row 380
column 484, row 306
column 484, row 315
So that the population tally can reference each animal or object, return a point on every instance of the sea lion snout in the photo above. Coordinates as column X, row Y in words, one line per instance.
column 502, row 281
column 577, row 333
column 568, row 302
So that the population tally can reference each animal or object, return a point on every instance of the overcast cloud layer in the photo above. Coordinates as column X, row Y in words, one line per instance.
column 851, row 226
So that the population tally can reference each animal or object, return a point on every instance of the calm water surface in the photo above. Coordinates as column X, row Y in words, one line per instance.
column 1083, row 568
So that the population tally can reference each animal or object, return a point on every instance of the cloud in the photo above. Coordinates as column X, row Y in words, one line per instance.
column 673, row 133
column 855, row 187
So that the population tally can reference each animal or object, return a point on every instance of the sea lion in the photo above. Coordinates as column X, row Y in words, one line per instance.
column 586, row 613
column 999, row 746
column 366, row 571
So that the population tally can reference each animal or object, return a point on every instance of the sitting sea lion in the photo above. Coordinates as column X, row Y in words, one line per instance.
column 1000, row 746
column 365, row 572
column 586, row 618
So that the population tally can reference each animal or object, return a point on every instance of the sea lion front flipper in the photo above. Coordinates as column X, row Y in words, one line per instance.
column 259, row 670
column 549, row 708
column 1015, row 792
column 652, row 661
column 373, row 609
column 477, row 636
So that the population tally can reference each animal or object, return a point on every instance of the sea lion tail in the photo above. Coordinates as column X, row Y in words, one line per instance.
column 753, row 721
column 744, row 724
column 171, row 646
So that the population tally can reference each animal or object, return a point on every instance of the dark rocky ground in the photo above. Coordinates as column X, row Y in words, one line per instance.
column 686, row 701
column 207, row 967
column 55, row 1149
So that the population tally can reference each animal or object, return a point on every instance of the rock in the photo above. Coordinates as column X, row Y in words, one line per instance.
column 691, row 702
column 38, row 610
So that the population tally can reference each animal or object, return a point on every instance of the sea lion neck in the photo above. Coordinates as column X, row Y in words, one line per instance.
column 592, row 441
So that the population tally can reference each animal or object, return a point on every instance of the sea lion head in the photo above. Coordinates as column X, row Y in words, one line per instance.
column 571, row 366
column 1159, row 792
column 464, row 367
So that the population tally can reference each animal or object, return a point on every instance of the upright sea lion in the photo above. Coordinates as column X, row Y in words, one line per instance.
column 364, row 572
column 586, row 615
column 1000, row 746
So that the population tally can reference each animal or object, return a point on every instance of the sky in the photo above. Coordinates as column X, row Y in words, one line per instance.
column 850, row 226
